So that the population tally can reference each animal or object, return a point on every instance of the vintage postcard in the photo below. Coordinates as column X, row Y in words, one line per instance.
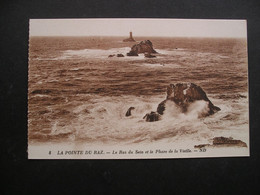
column 137, row 89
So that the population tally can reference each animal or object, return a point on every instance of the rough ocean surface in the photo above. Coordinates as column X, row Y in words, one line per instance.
column 78, row 94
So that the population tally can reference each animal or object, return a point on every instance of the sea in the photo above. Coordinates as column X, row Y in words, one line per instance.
column 77, row 94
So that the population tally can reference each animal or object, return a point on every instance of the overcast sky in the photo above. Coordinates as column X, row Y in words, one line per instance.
column 139, row 27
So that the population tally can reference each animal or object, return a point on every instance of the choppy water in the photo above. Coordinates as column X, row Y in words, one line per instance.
column 76, row 93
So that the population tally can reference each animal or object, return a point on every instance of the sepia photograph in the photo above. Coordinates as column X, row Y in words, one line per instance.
column 137, row 88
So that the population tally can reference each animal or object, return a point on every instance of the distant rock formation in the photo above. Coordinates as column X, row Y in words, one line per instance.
column 130, row 39
column 223, row 141
column 142, row 47
column 183, row 94
column 128, row 113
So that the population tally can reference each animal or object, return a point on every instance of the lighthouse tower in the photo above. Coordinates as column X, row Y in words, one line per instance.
column 131, row 35
column 130, row 39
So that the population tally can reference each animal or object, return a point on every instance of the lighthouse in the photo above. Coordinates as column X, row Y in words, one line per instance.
column 130, row 39
column 131, row 35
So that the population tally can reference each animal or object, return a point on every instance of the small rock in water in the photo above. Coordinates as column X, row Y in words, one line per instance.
column 128, row 113
column 152, row 116
column 120, row 55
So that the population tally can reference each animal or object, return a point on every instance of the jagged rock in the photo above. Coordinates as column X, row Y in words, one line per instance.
column 130, row 39
column 223, row 141
column 148, row 55
column 120, row 55
column 152, row 116
column 183, row 94
column 128, row 113
column 142, row 47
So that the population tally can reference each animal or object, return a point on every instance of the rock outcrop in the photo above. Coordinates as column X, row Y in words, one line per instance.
column 142, row 47
column 128, row 113
column 130, row 39
column 120, row 55
column 228, row 141
column 183, row 94
column 152, row 116
column 223, row 142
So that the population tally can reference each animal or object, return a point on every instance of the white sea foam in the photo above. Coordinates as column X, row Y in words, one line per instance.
column 104, row 119
column 99, row 54
column 104, row 53
column 153, row 65
column 179, row 51
column 41, row 95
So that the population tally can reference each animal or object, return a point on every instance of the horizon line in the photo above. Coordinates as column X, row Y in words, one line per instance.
column 242, row 37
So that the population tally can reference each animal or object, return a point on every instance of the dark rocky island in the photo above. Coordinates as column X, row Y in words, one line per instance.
column 142, row 47
column 145, row 47
column 130, row 39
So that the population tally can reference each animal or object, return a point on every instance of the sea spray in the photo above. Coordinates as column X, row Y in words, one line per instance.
column 105, row 120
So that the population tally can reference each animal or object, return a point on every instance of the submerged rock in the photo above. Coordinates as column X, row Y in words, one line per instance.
column 152, row 116
column 142, row 47
column 183, row 94
column 128, row 113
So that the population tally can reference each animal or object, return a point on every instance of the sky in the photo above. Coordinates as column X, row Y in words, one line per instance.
column 139, row 27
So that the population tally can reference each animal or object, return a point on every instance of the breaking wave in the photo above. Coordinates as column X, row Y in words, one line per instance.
column 103, row 120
